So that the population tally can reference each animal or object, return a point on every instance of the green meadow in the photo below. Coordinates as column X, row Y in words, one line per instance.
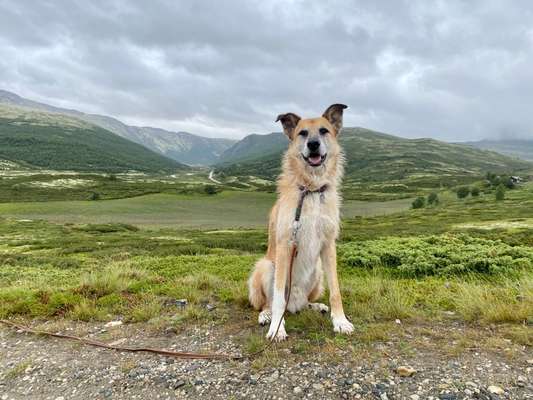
column 468, row 261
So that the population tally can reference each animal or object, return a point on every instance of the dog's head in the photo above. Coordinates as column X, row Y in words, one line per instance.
column 314, row 140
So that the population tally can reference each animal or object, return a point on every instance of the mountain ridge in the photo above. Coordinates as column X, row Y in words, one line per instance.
column 183, row 147
column 62, row 142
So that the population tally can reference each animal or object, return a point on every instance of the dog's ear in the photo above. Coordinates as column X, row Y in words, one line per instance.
column 334, row 115
column 289, row 122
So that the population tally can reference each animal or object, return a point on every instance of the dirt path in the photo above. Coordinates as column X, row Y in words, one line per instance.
column 33, row 367
column 211, row 178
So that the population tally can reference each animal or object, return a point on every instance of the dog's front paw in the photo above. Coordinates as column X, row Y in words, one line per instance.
column 280, row 336
column 342, row 325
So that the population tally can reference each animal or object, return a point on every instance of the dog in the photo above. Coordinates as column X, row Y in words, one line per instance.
column 313, row 162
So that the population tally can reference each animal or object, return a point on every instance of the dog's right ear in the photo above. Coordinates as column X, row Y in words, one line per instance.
column 289, row 122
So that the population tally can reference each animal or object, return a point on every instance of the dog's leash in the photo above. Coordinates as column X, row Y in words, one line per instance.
column 192, row 355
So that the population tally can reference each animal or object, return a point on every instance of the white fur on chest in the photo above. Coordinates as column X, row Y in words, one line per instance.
column 319, row 223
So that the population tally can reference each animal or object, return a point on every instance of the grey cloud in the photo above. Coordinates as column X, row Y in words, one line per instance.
column 453, row 70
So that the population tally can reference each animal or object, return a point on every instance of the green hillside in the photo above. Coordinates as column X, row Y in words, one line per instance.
column 253, row 146
column 59, row 142
column 386, row 163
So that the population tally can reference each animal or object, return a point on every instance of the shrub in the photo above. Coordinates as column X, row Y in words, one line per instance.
column 500, row 192
column 444, row 255
column 419, row 202
column 463, row 192
column 210, row 189
column 94, row 196
column 475, row 192
column 433, row 198
column 509, row 183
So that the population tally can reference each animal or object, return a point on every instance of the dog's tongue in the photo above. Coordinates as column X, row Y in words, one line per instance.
column 315, row 160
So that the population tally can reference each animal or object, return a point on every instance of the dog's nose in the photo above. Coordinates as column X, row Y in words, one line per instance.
column 313, row 145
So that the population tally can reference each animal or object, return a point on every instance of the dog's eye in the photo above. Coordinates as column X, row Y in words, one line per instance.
column 303, row 133
column 323, row 131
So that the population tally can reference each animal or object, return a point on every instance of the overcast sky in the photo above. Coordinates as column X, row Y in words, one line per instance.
column 453, row 70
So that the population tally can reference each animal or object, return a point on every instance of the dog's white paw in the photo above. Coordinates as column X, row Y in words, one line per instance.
column 342, row 325
column 280, row 336
column 319, row 307
column 265, row 317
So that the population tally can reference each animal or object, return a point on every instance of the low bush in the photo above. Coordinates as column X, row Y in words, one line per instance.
column 463, row 192
column 419, row 202
column 437, row 255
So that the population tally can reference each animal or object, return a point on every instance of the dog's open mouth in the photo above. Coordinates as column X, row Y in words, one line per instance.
column 315, row 160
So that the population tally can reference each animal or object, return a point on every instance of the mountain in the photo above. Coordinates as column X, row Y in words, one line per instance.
column 521, row 148
column 253, row 146
column 61, row 142
column 378, row 157
column 181, row 146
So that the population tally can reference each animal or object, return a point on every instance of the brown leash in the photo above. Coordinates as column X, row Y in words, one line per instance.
column 191, row 355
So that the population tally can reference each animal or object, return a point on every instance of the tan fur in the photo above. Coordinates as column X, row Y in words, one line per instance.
column 318, row 232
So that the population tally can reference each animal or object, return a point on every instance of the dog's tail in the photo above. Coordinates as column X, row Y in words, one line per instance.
column 259, row 283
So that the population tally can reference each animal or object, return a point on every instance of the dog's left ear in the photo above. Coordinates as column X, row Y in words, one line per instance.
column 334, row 115
column 289, row 122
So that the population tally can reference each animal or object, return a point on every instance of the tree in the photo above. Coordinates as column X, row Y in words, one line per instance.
column 475, row 192
column 419, row 202
column 433, row 198
column 463, row 192
column 500, row 193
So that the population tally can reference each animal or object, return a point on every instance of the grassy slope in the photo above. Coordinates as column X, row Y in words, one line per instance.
column 55, row 141
column 380, row 163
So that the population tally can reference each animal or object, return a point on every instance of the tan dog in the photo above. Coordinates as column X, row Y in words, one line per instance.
column 313, row 161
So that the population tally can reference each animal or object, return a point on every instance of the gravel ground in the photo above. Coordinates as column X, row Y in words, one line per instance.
column 36, row 367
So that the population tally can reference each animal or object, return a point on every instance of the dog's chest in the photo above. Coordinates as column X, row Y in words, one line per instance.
column 318, row 221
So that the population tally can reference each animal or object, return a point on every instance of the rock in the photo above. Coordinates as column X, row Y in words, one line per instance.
column 521, row 381
column 495, row 389
column 530, row 361
column 398, row 321
column 414, row 397
column 181, row 302
column 297, row 390
column 210, row 307
column 384, row 396
column 317, row 386
column 179, row 384
column 112, row 324
column 273, row 378
column 404, row 370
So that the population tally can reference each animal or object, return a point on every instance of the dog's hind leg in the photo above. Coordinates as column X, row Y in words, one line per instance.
column 317, row 292
column 260, row 288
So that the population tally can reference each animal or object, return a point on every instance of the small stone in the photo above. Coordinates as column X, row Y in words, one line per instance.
column 112, row 324
column 414, row 397
column 317, row 386
column 179, row 384
column 181, row 302
column 384, row 396
column 470, row 384
column 404, row 370
column 530, row 361
column 398, row 321
column 495, row 389
column 521, row 381
column 297, row 390
column 273, row 378
column 210, row 307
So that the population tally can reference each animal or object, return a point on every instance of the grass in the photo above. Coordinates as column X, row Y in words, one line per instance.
column 234, row 209
column 446, row 263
